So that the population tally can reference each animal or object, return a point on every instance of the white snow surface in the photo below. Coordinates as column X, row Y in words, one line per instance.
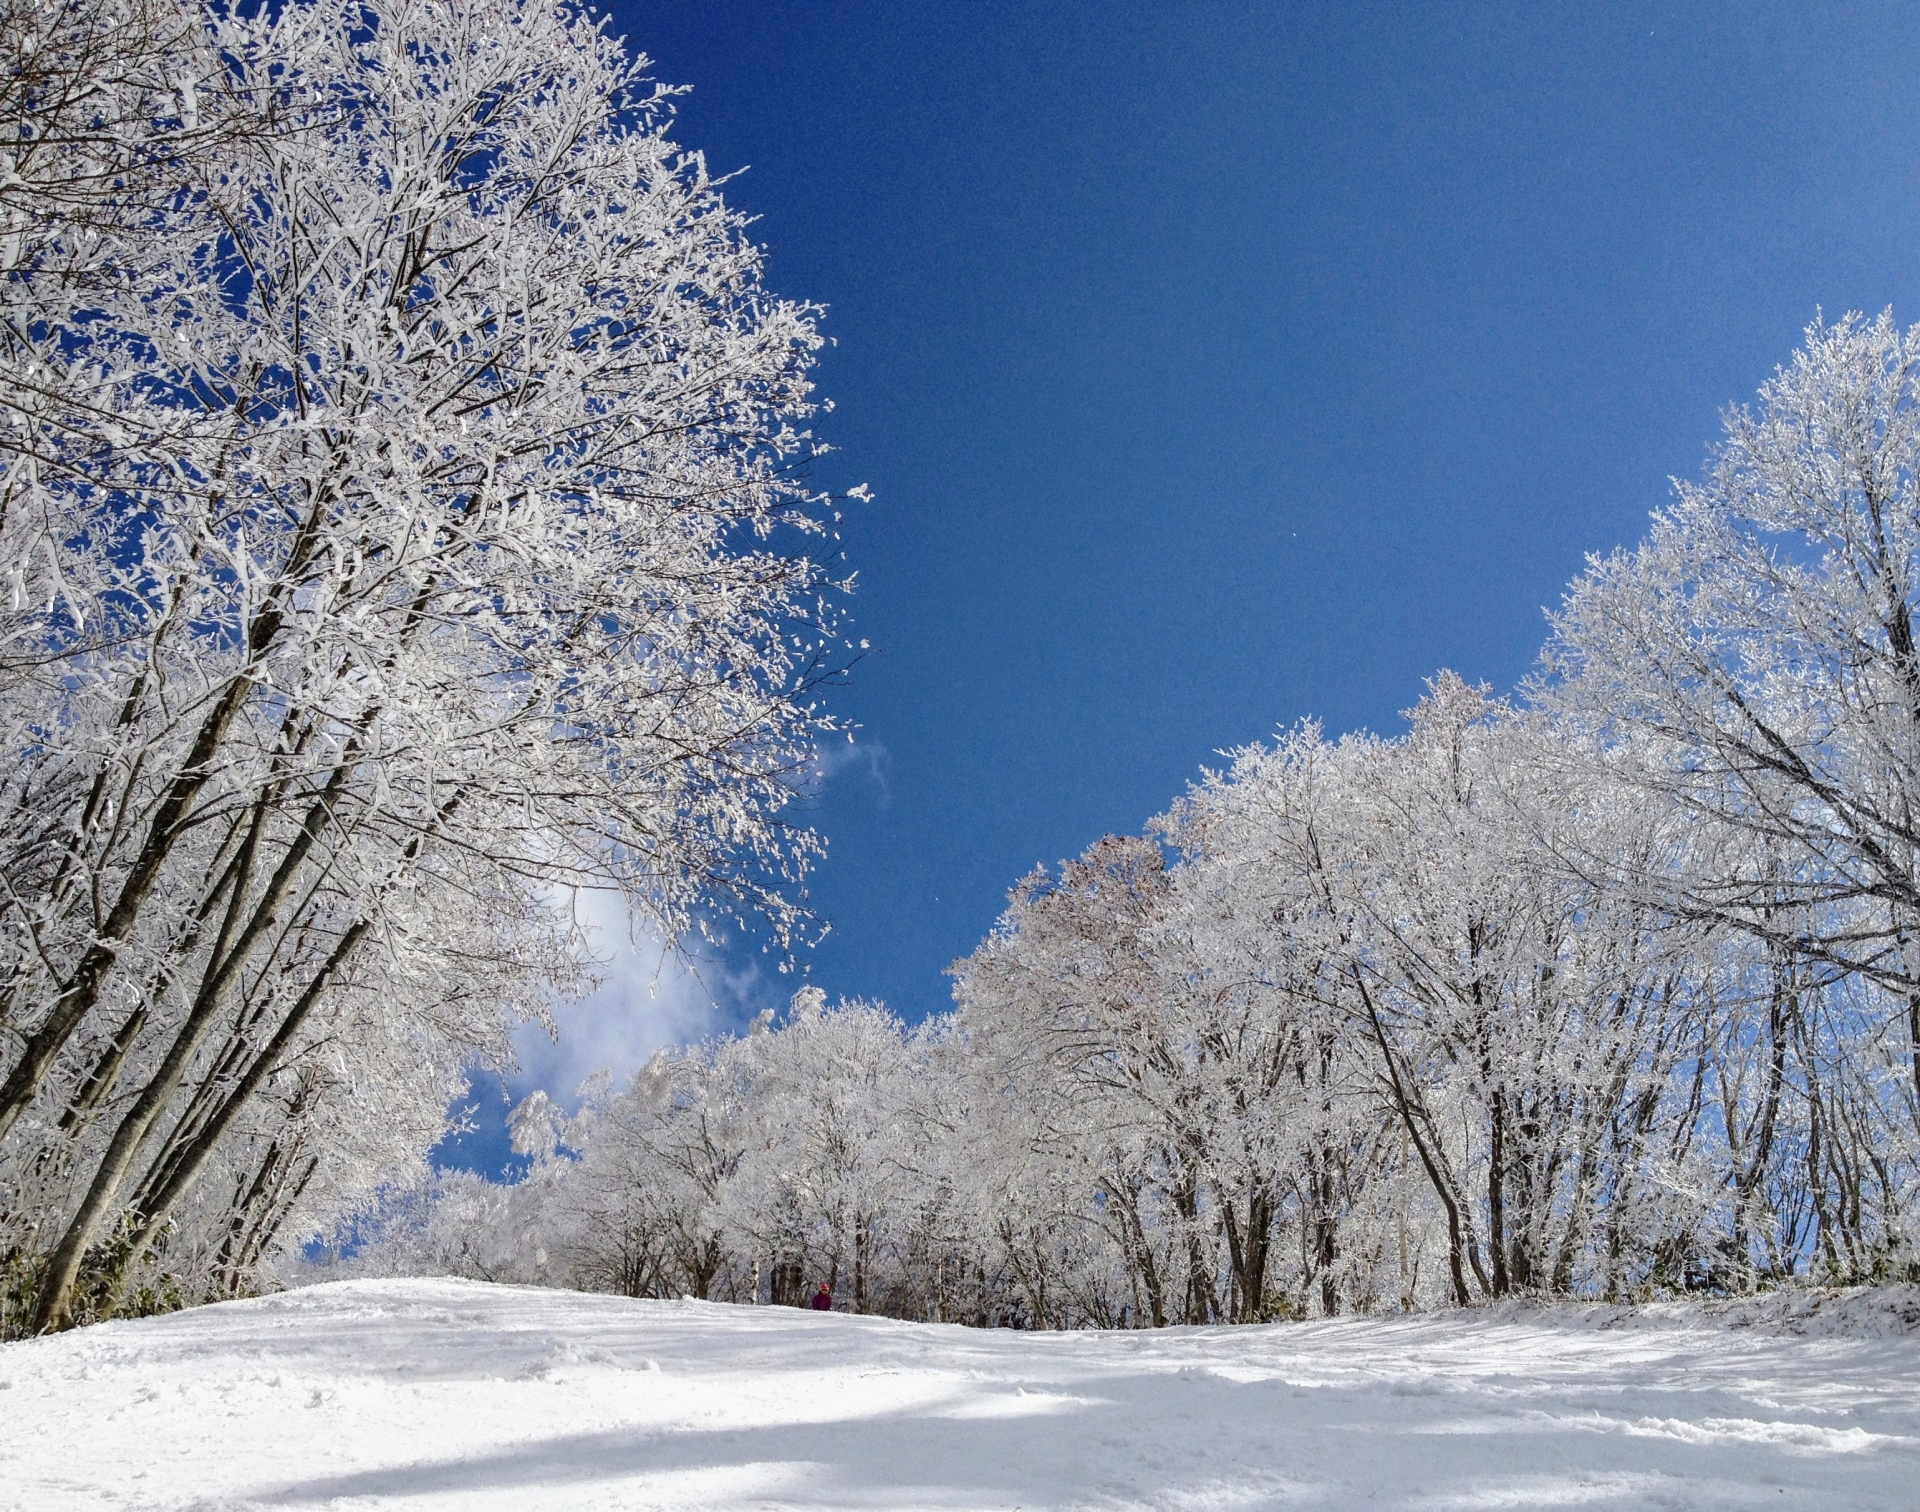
column 449, row 1394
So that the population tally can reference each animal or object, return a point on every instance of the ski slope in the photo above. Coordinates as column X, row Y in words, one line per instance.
column 440, row 1394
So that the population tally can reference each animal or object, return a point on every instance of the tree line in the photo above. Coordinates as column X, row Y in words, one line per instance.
column 1611, row 989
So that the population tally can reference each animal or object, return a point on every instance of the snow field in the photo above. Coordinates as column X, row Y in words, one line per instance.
column 440, row 1394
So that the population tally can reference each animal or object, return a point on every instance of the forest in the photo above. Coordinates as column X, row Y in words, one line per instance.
column 404, row 517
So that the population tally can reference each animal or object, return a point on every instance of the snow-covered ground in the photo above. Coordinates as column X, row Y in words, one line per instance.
column 452, row 1394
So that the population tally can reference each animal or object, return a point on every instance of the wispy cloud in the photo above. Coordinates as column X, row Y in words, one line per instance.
column 841, row 756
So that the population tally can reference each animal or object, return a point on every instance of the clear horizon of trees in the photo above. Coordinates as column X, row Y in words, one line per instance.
column 400, row 531
column 1612, row 991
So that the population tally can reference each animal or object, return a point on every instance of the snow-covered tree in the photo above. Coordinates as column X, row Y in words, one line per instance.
column 413, row 537
column 1750, row 670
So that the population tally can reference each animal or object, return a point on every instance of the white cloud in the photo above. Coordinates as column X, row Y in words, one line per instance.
column 651, row 997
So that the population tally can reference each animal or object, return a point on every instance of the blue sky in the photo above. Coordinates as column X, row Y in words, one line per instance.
column 1215, row 365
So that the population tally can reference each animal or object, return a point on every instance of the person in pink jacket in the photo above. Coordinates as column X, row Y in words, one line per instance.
column 823, row 1299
